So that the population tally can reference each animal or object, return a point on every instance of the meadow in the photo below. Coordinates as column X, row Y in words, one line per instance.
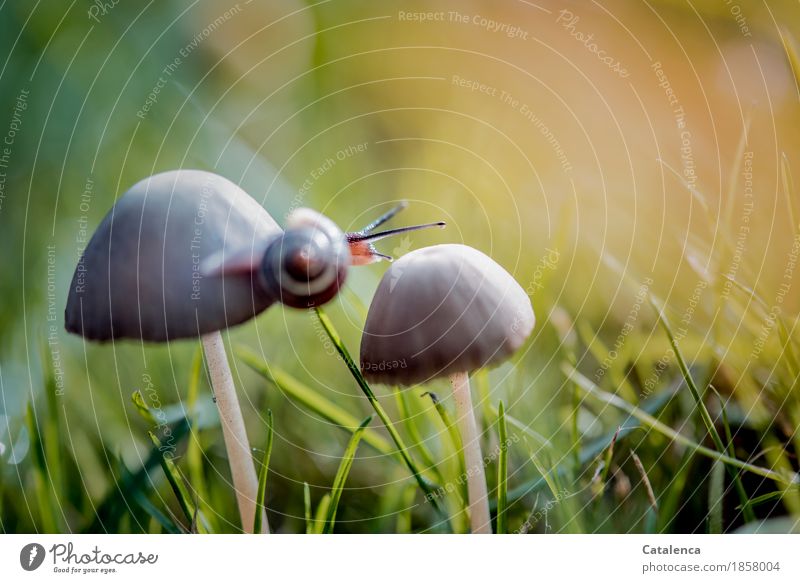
column 652, row 218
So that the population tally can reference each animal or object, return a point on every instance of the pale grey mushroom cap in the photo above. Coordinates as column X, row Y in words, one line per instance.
column 441, row 310
column 141, row 275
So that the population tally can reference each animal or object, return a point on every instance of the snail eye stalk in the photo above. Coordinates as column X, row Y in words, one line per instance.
column 383, row 218
column 363, row 251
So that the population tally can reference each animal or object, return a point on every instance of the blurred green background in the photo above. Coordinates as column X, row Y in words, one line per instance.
column 501, row 118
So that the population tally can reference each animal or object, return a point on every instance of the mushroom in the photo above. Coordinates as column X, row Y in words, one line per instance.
column 444, row 311
column 187, row 253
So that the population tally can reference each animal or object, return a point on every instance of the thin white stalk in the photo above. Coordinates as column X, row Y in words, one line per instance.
column 240, row 456
column 480, row 522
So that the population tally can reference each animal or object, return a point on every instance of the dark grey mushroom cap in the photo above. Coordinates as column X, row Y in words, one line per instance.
column 441, row 310
column 141, row 275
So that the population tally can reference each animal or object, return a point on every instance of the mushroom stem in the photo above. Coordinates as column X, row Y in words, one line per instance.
column 240, row 457
column 480, row 522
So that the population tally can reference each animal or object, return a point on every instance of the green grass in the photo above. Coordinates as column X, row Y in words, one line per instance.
column 262, row 477
column 502, row 472
column 310, row 399
column 341, row 476
column 683, row 439
column 426, row 486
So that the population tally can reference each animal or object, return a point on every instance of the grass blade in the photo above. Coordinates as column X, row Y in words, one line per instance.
column 548, row 479
column 787, row 342
column 552, row 478
column 763, row 498
column 404, row 518
column 687, row 376
column 715, row 496
column 175, row 480
column 194, row 451
column 452, row 430
column 788, row 190
column 651, row 422
column 651, row 497
column 595, row 447
column 307, row 508
column 42, row 489
column 412, row 431
column 672, row 499
column 321, row 513
column 311, row 399
column 733, row 178
column 602, row 473
column 481, row 378
column 51, row 437
column 502, row 472
column 174, row 477
column 262, row 477
column 793, row 54
column 341, row 475
column 110, row 509
column 461, row 494
column 747, row 510
column 142, row 408
column 526, row 429
column 778, row 457
column 424, row 485
column 701, row 406
column 651, row 519
column 163, row 521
